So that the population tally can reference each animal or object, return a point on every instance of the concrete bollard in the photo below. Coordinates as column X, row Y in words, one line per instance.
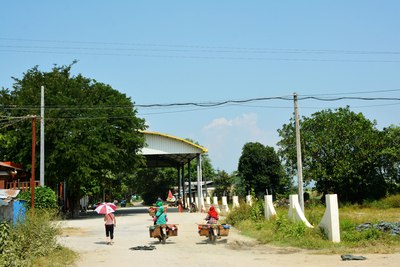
column 215, row 204
column 295, row 212
column 269, row 210
column 235, row 201
column 330, row 220
column 225, row 204
column 208, row 203
column 248, row 200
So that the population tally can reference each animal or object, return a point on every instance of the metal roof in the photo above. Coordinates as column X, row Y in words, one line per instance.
column 6, row 195
column 163, row 150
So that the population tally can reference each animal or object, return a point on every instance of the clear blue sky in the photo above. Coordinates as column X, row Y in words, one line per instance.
column 210, row 51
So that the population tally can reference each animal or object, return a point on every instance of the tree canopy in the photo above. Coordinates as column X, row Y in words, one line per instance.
column 260, row 169
column 91, row 130
column 342, row 153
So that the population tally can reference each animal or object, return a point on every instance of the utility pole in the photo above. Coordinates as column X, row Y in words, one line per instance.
column 33, row 162
column 298, row 149
column 42, row 136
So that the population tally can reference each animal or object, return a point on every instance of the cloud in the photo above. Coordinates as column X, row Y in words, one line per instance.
column 225, row 138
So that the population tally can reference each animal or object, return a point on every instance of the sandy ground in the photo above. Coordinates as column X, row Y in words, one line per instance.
column 87, row 236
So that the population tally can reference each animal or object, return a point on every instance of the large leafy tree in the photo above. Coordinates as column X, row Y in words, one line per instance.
column 153, row 183
column 223, row 183
column 260, row 169
column 91, row 130
column 341, row 153
column 390, row 157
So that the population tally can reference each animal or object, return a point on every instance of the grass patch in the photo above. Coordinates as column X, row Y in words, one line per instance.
column 61, row 256
column 281, row 231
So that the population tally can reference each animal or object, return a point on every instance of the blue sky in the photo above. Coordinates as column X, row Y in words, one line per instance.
column 160, row 52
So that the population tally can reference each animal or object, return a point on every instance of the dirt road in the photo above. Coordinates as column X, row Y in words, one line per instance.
column 87, row 236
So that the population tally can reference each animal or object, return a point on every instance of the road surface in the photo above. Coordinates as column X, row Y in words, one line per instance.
column 87, row 236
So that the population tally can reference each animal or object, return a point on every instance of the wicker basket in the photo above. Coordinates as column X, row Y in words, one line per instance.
column 203, row 229
column 154, row 231
column 173, row 230
column 223, row 230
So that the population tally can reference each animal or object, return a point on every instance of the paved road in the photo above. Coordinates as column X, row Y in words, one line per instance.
column 86, row 236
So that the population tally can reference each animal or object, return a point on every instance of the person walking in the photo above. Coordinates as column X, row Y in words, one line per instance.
column 110, row 224
column 180, row 205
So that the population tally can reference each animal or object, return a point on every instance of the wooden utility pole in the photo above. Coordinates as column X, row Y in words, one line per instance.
column 33, row 162
column 298, row 149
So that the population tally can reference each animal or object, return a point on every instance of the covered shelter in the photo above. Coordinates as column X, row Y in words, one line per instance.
column 163, row 150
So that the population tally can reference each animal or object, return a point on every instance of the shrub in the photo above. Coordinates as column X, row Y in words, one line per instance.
column 238, row 214
column 45, row 198
column 391, row 201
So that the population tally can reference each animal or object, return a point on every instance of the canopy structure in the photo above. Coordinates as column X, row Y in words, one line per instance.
column 163, row 150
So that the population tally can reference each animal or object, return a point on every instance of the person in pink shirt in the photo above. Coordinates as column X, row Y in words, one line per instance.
column 110, row 223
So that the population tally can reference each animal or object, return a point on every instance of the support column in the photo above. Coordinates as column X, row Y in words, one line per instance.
column 200, row 185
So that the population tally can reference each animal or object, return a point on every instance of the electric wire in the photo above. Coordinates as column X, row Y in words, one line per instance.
column 298, row 50
column 209, row 57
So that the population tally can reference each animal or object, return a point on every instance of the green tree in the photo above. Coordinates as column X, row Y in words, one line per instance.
column 91, row 129
column 260, row 168
column 340, row 152
column 223, row 183
column 390, row 157
column 152, row 183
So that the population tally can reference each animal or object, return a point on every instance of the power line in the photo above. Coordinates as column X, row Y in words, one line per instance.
column 202, row 104
column 262, row 49
column 206, row 57
column 361, row 92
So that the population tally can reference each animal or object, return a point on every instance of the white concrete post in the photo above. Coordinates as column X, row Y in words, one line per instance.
column 295, row 211
column 208, row 202
column 225, row 204
column 330, row 220
column 269, row 209
column 215, row 204
column 235, row 201
column 248, row 200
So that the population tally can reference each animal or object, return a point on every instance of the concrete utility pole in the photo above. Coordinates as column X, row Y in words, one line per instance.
column 298, row 149
column 32, row 182
column 42, row 136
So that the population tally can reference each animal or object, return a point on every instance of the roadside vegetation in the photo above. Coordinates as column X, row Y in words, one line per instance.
column 281, row 231
column 33, row 242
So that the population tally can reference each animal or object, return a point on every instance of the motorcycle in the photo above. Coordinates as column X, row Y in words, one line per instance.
column 163, row 231
column 213, row 231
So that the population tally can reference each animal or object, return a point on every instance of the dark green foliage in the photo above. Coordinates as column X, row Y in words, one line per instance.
column 260, row 169
column 154, row 183
column 45, row 198
column 92, row 132
column 223, row 183
column 343, row 153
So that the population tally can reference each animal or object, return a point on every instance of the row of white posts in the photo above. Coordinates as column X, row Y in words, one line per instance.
column 329, row 222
